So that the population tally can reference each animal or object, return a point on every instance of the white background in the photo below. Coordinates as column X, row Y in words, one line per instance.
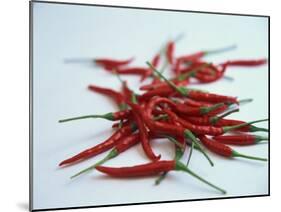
column 14, row 92
column 60, row 92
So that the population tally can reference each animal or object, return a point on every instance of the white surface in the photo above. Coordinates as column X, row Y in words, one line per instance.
column 14, row 96
column 65, row 31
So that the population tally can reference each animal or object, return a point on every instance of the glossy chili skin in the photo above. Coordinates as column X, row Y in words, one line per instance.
column 213, row 75
column 194, row 103
column 102, row 147
column 194, row 57
column 237, row 139
column 198, row 129
column 165, row 91
column 143, row 132
column 124, row 114
column 216, row 147
column 127, row 142
column 170, row 52
column 232, row 122
column 160, row 85
column 116, row 96
column 248, row 63
column 111, row 64
column 156, row 60
column 147, row 169
column 211, row 97
column 143, row 72
column 181, row 108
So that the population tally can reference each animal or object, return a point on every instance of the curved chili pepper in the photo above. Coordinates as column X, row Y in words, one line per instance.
column 196, row 95
column 110, row 64
column 143, row 132
column 212, row 76
column 240, row 139
column 116, row 96
column 182, row 108
column 224, row 150
column 102, row 147
column 152, row 168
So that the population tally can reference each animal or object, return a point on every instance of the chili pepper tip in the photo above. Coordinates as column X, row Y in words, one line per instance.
column 113, row 153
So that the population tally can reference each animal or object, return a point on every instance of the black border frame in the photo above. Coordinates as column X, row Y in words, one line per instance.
column 31, row 104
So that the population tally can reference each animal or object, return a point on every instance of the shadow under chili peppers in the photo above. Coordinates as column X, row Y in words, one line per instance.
column 23, row 206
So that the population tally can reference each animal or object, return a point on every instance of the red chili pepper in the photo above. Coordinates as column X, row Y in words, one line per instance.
column 152, row 168
column 126, row 143
column 209, row 130
column 170, row 52
column 198, row 55
column 207, row 119
column 102, row 147
column 116, row 96
column 161, row 85
column 170, row 129
column 195, row 103
column 224, row 150
column 143, row 132
column 197, row 95
column 246, row 128
column 213, row 75
column 143, row 72
column 240, row 139
column 246, row 62
column 183, row 109
column 156, row 59
column 110, row 64
column 165, row 91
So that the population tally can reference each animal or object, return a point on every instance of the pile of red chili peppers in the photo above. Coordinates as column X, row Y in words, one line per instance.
column 169, row 108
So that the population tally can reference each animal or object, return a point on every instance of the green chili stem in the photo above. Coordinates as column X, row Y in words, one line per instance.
column 113, row 153
column 182, row 77
column 257, row 129
column 215, row 119
column 229, row 128
column 162, row 77
column 220, row 50
column 190, row 135
column 160, row 178
column 173, row 140
column 243, row 101
column 205, row 110
column 182, row 167
column 261, row 138
column 237, row 154
column 178, row 154
column 108, row 116
column 190, row 153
